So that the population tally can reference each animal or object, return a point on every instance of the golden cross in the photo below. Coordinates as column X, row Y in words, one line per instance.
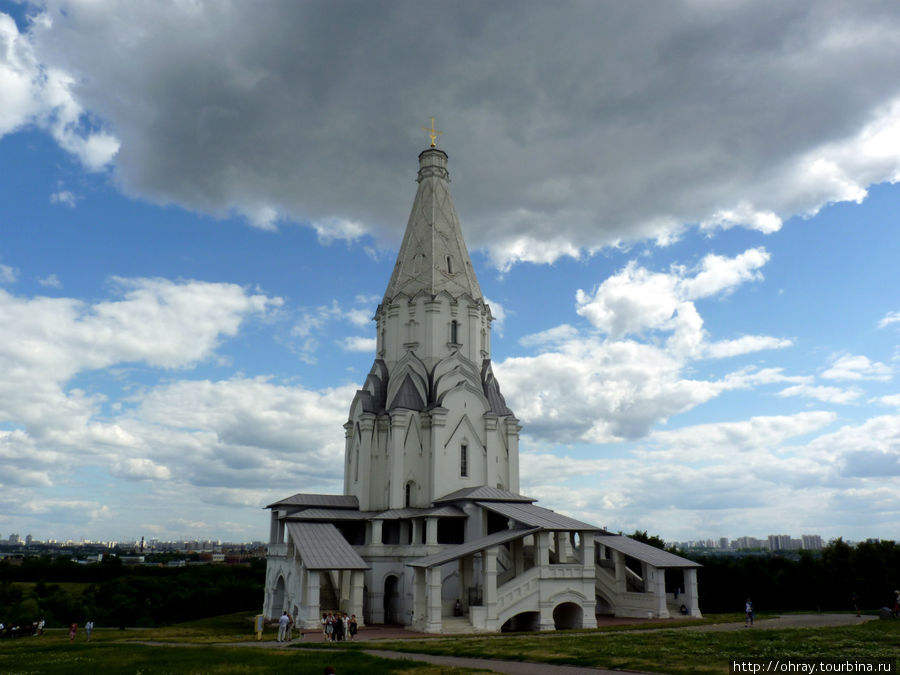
column 434, row 133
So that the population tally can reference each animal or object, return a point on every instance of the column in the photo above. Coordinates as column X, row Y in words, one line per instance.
column 311, row 606
column 542, row 541
column 619, row 560
column 587, row 554
column 433, row 593
column 659, row 588
column 417, row 531
column 691, row 596
column 490, row 584
column 431, row 530
column 420, row 596
column 376, row 533
column 357, row 584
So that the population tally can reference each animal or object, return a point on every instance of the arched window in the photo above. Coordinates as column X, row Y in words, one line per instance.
column 409, row 487
column 449, row 265
column 464, row 460
column 454, row 332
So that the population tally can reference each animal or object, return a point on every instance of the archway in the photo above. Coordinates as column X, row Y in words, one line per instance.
column 277, row 606
column 567, row 615
column 522, row 622
column 603, row 606
column 392, row 599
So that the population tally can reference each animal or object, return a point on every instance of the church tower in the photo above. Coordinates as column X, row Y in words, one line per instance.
column 430, row 419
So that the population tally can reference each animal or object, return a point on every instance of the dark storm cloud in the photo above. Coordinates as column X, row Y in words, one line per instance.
column 569, row 126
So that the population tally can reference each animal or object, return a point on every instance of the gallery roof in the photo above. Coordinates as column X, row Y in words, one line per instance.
column 644, row 552
column 322, row 547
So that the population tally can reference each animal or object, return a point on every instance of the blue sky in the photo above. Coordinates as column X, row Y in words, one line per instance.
column 686, row 226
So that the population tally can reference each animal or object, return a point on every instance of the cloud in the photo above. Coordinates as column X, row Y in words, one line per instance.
column 359, row 344
column 604, row 386
column 63, row 197
column 857, row 367
column 636, row 299
column 8, row 274
column 889, row 318
column 723, row 115
column 35, row 93
column 824, row 394
column 51, row 281
column 499, row 314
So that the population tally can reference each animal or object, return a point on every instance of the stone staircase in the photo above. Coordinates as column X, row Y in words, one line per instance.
column 457, row 625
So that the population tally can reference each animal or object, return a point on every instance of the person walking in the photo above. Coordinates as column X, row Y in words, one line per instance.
column 748, row 609
column 283, row 622
column 88, row 629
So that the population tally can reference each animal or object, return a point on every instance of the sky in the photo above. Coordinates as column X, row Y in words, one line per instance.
column 685, row 217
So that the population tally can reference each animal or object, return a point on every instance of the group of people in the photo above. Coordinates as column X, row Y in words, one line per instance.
column 338, row 627
column 15, row 630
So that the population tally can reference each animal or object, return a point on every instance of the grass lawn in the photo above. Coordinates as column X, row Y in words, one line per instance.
column 677, row 651
column 114, row 652
column 680, row 650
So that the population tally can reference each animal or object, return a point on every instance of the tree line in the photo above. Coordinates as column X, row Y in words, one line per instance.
column 111, row 594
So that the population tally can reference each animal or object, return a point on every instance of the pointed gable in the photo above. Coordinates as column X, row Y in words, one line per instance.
column 433, row 256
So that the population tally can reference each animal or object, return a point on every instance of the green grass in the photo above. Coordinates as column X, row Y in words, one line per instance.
column 677, row 651
column 191, row 650
column 675, row 648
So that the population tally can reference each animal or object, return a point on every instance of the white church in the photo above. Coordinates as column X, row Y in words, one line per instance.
column 431, row 531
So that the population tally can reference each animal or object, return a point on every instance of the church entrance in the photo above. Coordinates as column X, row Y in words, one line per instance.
column 392, row 599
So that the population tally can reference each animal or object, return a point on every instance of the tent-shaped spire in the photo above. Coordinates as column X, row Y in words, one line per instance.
column 433, row 256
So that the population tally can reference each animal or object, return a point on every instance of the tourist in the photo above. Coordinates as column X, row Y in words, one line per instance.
column 854, row 602
column 325, row 626
column 73, row 631
column 748, row 609
column 354, row 626
column 329, row 628
column 88, row 629
column 457, row 608
column 283, row 622
column 41, row 625
column 338, row 628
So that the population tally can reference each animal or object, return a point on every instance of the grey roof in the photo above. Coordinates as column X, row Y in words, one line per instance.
column 322, row 547
column 492, row 390
column 397, row 514
column 484, row 493
column 471, row 547
column 329, row 514
column 407, row 396
column 644, row 552
column 536, row 516
column 330, row 501
column 433, row 256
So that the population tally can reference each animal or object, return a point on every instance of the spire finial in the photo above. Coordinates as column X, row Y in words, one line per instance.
column 434, row 133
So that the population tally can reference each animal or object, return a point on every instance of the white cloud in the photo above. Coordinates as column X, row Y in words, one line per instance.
column 499, row 314
column 63, row 197
column 8, row 274
column 745, row 345
column 824, row 394
column 705, row 442
column 636, row 299
column 359, row 344
column 51, row 281
column 590, row 388
column 857, row 367
column 36, row 94
column 889, row 318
